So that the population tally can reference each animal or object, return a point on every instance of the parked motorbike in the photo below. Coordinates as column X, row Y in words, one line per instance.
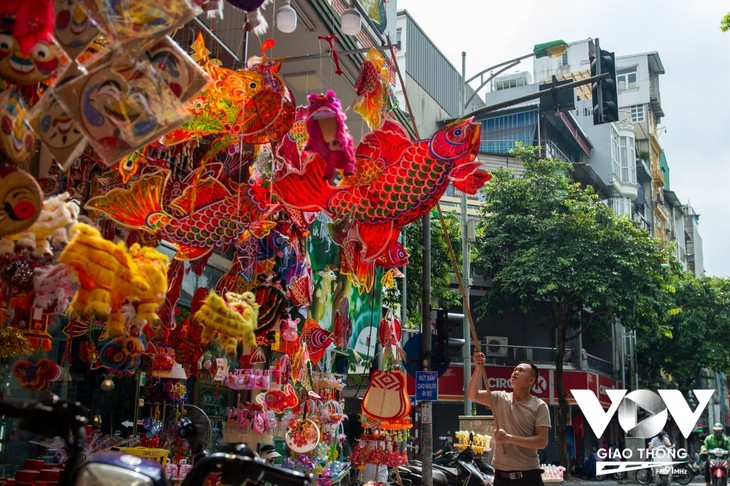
column 718, row 458
column 462, row 472
column 53, row 417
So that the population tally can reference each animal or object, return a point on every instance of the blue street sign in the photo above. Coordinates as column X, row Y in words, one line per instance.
column 427, row 385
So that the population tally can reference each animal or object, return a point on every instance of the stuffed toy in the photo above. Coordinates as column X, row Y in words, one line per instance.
column 152, row 266
column 58, row 213
column 328, row 134
column 109, row 274
column 288, row 328
column 53, row 288
column 232, row 320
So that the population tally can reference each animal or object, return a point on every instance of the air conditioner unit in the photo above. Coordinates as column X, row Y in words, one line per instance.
column 496, row 346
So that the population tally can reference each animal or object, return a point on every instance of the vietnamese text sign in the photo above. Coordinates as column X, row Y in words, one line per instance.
column 427, row 385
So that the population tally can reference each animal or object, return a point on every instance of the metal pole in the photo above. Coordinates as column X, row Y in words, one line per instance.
column 507, row 65
column 426, row 418
column 137, row 382
column 466, row 350
column 404, row 291
column 532, row 96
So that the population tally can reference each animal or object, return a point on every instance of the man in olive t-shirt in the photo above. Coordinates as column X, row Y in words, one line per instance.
column 523, row 420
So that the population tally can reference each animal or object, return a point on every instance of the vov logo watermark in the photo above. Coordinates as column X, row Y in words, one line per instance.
column 658, row 405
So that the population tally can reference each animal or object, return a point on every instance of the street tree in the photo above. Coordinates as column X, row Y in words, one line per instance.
column 696, row 334
column 546, row 243
column 442, row 271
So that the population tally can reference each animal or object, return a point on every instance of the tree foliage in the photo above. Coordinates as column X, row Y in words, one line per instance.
column 546, row 240
column 725, row 23
column 442, row 270
column 698, row 334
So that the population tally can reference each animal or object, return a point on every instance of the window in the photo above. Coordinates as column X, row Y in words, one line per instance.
column 627, row 160
column 615, row 166
column 626, row 78
column 398, row 35
column 637, row 113
column 621, row 206
column 623, row 161
column 564, row 59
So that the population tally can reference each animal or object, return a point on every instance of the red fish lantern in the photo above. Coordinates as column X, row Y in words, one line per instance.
column 397, row 181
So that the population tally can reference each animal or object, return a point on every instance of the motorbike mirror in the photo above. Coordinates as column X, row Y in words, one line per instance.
column 114, row 468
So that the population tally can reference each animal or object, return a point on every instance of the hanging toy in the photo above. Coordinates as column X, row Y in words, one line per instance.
column 20, row 200
column 328, row 134
column 254, row 20
column 233, row 319
column 17, row 140
column 37, row 376
column 109, row 274
column 58, row 213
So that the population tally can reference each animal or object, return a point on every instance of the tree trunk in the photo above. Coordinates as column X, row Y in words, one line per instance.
column 562, row 400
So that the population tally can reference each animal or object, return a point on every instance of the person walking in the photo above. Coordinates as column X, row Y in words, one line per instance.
column 523, row 421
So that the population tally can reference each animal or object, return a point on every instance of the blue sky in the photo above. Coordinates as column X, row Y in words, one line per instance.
column 695, row 94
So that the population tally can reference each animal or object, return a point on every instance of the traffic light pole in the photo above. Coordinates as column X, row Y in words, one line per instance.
column 533, row 96
column 598, row 102
column 426, row 417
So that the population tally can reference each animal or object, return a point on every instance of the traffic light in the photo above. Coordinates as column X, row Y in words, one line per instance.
column 603, row 91
column 446, row 346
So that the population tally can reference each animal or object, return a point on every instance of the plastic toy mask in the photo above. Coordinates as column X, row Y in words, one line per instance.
column 74, row 29
column 16, row 138
column 135, row 21
column 56, row 129
column 121, row 106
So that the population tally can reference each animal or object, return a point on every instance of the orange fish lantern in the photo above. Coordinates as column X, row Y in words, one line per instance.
column 254, row 104
column 206, row 216
column 396, row 182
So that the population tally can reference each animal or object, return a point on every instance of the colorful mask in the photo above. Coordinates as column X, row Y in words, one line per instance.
column 20, row 200
column 59, row 133
column 16, row 137
column 121, row 106
column 176, row 69
column 134, row 21
column 29, row 66
column 74, row 30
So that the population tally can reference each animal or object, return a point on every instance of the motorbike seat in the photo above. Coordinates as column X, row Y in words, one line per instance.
column 439, row 477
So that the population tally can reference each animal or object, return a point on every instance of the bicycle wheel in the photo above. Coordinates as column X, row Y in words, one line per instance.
column 644, row 476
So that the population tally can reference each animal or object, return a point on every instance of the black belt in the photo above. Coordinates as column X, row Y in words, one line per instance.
column 513, row 475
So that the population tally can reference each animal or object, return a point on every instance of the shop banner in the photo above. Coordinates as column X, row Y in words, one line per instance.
column 451, row 384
